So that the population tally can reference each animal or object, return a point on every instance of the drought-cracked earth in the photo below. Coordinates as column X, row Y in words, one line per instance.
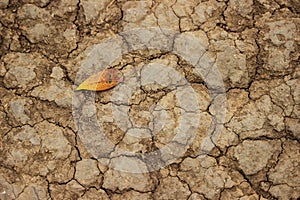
column 50, row 146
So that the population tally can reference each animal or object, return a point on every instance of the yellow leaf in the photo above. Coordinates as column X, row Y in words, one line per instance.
column 103, row 80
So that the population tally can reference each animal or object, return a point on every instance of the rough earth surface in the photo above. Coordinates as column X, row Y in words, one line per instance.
column 254, row 43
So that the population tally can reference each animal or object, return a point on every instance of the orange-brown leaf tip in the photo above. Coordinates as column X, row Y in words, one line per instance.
column 101, row 81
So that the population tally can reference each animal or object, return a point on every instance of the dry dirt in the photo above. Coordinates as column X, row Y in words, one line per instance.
column 47, row 151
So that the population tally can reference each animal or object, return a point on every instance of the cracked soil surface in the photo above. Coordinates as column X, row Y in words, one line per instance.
column 254, row 43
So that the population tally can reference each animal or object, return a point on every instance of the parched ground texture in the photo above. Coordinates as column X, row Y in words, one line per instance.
column 254, row 43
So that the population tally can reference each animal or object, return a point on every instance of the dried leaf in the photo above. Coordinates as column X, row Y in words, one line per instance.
column 103, row 80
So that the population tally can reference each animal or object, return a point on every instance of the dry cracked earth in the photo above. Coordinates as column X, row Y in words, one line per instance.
column 45, row 154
